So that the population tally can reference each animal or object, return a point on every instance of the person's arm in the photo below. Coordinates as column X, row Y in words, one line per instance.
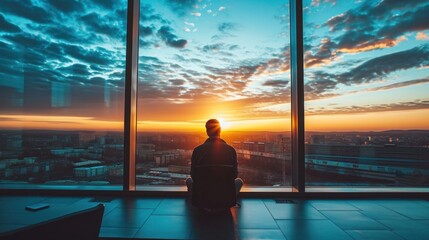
column 192, row 163
column 235, row 163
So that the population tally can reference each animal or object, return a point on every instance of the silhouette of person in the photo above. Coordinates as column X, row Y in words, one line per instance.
column 214, row 151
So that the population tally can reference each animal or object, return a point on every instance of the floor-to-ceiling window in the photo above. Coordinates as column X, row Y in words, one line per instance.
column 366, row 94
column 62, row 92
column 214, row 59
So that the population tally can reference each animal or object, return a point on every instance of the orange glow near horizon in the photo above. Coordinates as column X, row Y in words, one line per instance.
column 374, row 121
column 41, row 122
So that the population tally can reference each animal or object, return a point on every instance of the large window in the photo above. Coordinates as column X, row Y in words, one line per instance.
column 214, row 59
column 62, row 92
column 366, row 93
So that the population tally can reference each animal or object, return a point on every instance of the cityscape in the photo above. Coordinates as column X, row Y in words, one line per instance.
column 385, row 158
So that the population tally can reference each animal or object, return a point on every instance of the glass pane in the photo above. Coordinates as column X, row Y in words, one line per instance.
column 61, row 93
column 367, row 95
column 214, row 59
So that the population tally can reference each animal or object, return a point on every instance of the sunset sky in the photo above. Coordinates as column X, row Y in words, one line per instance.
column 367, row 64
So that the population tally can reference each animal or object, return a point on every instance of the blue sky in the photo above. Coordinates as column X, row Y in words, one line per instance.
column 202, row 58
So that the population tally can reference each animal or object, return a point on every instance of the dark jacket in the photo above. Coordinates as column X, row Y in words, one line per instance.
column 214, row 151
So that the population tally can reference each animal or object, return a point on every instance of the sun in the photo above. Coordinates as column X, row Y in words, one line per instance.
column 223, row 124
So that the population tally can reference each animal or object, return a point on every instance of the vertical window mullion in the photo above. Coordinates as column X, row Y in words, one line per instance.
column 131, row 80
column 297, row 96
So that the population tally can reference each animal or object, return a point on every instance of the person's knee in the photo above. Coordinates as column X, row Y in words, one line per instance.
column 189, row 182
column 238, row 184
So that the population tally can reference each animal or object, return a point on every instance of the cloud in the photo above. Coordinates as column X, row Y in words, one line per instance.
column 226, row 27
column 145, row 31
column 276, row 83
column 111, row 25
column 399, row 106
column 6, row 26
column 169, row 38
column 324, row 55
column 181, row 7
column 400, row 84
column 372, row 25
column 75, row 69
column 25, row 10
column 67, row 6
column 422, row 36
column 379, row 67
column 108, row 4
column 196, row 14
column 316, row 3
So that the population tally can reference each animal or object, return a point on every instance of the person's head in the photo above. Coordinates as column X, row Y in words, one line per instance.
column 213, row 128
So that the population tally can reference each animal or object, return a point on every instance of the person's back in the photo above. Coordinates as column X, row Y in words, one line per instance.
column 214, row 151
column 214, row 170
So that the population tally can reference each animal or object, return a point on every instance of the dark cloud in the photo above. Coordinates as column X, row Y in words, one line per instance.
column 401, row 84
column 145, row 31
column 226, row 27
column 67, row 6
column 26, row 10
column 399, row 106
column 177, row 82
column 108, row 4
column 170, row 39
column 65, row 33
column 6, row 26
column 325, row 53
column 181, row 7
column 380, row 67
column 371, row 25
column 76, row 69
column 408, row 22
column 147, row 14
column 99, row 56
column 112, row 26
column 276, row 83
column 213, row 47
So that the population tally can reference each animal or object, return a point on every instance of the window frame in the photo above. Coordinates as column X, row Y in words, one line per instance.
column 297, row 126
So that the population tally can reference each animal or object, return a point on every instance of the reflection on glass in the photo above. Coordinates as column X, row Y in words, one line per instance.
column 61, row 92
column 366, row 93
column 214, row 59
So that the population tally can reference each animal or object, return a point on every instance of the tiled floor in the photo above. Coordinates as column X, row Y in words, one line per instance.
column 174, row 218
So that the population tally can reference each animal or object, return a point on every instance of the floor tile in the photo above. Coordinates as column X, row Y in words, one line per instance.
column 332, row 205
column 353, row 220
column 394, row 204
column 382, row 213
column 126, row 218
column 209, row 226
column 254, row 234
column 423, row 202
column 418, row 235
column 311, row 230
column 410, row 225
column 253, row 214
column 167, row 227
column 373, row 235
column 111, row 232
column 410, row 230
column 175, row 206
column 418, row 213
column 292, row 211
column 140, row 202
column 108, row 206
